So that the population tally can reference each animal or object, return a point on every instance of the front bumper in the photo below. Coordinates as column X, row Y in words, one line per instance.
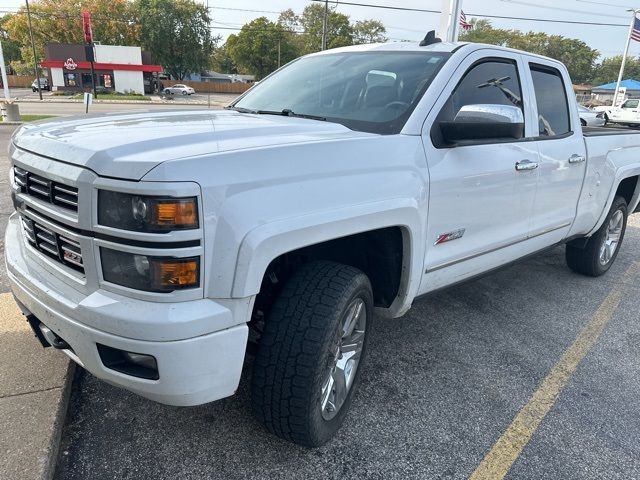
column 192, row 371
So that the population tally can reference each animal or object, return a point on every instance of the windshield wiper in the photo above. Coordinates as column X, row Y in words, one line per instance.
column 241, row 109
column 286, row 112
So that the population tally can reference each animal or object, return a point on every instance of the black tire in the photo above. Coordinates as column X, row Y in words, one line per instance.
column 586, row 259
column 294, row 356
column 184, row 92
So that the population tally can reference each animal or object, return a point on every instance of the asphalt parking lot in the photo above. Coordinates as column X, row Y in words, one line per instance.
column 441, row 387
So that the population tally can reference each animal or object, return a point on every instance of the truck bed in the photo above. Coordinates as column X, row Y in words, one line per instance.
column 598, row 131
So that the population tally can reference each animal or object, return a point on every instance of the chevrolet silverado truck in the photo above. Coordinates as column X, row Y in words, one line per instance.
column 159, row 250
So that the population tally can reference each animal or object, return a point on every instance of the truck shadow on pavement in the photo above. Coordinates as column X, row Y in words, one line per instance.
column 439, row 387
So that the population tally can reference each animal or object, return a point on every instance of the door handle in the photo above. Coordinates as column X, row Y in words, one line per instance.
column 575, row 158
column 526, row 165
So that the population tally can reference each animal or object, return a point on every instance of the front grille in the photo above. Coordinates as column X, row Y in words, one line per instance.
column 52, row 244
column 47, row 190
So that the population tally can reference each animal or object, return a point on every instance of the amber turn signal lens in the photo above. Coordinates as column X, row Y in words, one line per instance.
column 178, row 213
column 176, row 273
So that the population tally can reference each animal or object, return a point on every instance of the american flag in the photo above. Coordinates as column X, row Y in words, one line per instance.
column 468, row 26
column 635, row 33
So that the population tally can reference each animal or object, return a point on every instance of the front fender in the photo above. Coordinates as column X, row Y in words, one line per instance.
column 266, row 242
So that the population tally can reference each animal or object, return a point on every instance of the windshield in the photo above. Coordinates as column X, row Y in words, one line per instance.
column 367, row 91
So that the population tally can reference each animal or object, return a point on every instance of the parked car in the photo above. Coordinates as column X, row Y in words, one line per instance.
column 626, row 114
column 589, row 118
column 179, row 88
column 44, row 84
column 153, row 248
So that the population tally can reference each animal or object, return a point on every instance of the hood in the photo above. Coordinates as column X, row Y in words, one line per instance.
column 127, row 146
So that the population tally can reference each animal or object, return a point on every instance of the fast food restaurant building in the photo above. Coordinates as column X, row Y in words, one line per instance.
column 117, row 68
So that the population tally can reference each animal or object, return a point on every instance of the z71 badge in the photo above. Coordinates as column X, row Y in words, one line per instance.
column 447, row 237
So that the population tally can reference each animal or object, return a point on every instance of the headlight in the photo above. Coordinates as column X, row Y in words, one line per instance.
column 152, row 274
column 146, row 213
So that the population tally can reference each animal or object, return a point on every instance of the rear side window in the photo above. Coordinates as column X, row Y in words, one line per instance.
column 551, row 98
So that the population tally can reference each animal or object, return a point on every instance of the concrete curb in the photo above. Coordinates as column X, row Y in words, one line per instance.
column 51, row 462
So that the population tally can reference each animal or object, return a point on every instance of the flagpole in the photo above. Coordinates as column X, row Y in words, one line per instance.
column 455, row 20
column 624, row 57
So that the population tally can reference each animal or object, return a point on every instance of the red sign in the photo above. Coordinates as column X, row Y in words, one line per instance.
column 86, row 27
column 69, row 64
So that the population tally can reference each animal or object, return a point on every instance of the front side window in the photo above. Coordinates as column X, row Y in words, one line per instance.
column 490, row 82
column 366, row 91
column 551, row 99
column 630, row 104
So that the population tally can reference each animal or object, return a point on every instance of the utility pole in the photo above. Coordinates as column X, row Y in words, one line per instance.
column 278, row 52
column 5, row 83
column 33, row 47
column 624, row 56
column 325, row 21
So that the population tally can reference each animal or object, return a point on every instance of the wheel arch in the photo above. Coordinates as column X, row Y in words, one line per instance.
column 627, row 185
column 268, row 243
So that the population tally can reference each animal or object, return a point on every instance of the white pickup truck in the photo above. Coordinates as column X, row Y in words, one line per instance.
column 155, row 249
column 626, row 114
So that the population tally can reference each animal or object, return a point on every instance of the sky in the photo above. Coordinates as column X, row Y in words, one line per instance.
column 608, row 40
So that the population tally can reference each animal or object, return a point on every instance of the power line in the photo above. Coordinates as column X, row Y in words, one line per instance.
column 560, row 9
column 481, row 15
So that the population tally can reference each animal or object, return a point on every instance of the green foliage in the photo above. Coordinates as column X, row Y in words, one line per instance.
column 607, row 70
column 221, row 60
column 579, row 58
column 255, row 48
column 369, row 31
column 60, row 21
column 177, row 34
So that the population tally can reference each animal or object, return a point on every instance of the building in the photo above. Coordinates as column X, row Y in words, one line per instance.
column 604, row 93
column 117, row 68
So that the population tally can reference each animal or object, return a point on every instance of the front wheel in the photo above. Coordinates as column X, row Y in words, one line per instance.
column 184, row 92
column 602, row 248
column 310, row 355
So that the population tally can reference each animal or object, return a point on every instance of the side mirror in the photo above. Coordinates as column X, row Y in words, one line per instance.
column 484, row 122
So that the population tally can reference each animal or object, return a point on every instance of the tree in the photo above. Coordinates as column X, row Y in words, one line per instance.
column 60, row 21
column 221, row 60
column 10, row 48
column 575, row 54
column 369, row 31
column 177, row 34
column 607, row 70
column 255, row 48
column 339, row 30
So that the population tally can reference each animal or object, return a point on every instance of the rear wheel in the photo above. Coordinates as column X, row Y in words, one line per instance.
column 602, row 248
column 314, row 342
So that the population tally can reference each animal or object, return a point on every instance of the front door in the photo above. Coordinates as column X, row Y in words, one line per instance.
column 480, row 204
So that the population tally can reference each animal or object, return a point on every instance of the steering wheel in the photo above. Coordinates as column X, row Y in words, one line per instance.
column 397, row 104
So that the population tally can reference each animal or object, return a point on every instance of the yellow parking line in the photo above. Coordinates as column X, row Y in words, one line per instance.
column 509, row 446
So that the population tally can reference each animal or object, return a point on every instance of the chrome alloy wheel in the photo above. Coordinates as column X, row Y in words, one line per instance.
column 612, row 238
column 344, row 359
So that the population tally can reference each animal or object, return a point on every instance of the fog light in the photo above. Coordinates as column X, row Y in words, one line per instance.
column 135, row 364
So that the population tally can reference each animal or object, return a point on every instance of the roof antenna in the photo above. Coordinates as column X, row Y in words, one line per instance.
column 429, row 39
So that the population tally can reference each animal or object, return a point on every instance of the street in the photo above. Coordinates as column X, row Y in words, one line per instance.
column 441, row 386
column 59, row 106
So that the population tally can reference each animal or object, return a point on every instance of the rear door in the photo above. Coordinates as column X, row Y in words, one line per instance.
column 561, row 149
column 480, row 204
